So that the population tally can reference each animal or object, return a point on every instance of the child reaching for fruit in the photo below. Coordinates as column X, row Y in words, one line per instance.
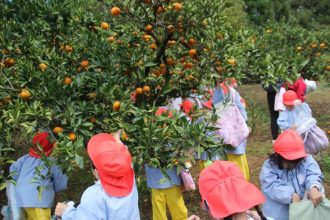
column 51, row 179
column 114, row 195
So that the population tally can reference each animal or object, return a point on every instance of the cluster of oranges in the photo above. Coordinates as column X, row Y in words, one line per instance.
column 58, row 130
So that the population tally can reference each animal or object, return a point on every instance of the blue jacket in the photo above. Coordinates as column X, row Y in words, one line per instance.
column 96, row 204
column 278, row 185
column 157, row 180
column 26, row 189
column 288, row 118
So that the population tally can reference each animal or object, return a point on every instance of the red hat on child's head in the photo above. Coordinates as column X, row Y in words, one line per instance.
column 187, row 106
column 290, row 145
column 41, row 140
column 289, row 97
column 225, row 190
column 113, row 163
column 208, row 104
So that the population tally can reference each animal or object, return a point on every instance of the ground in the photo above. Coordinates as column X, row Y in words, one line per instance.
column 259, row 146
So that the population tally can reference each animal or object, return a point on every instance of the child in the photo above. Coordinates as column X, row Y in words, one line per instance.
column 114, row 195
column 226, row 194
column 288, row 118
column 287, row 175
column 234, row 154
column 164, row 191
column 54, row 180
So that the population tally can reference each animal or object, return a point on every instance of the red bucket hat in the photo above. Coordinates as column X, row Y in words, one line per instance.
column 187, row 106
column 289, row 97
column 41, row 140
column 290, row 145
column 225, row 190
column 113, row 163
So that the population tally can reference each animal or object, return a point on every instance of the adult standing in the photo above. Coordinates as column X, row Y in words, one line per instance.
column 271, row 93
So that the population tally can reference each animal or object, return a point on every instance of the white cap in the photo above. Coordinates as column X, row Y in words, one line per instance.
column 310, row 85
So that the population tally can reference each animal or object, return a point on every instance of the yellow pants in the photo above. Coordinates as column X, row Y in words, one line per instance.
column 172, row 197
column 241, row 161
column 37, row 213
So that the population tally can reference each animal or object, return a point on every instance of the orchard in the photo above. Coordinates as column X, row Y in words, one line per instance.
column 77, row 68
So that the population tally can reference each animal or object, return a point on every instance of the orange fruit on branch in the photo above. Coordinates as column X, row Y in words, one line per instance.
column 192, row 52
column 162, row 65
column 72, row 136
column 116, row 106
column 58, row 130
column 84, row 63
column 191, row 42
column 43, row 67
column 170, row 28
column 68, row 48
column 171, row 42
column 160, row 9
column 322, row 45
column 139, row 90
column 104, row 25
column 115, row 11
column 146, row 89
column 153, row 46
column 231, row 61
column 170, row 61
column 25, row 94
column 67, row 80
column 111, row 39
column 177, row 6
column 9, row 62
column 188, row 65
column 124, row 136
column 146, row 37
column 149, row 28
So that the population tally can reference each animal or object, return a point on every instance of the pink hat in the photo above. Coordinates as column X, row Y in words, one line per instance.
column 113, row 163
column 290, row 145
column 224, row 188
column 289, row 97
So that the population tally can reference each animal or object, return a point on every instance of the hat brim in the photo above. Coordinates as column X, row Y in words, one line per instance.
column 288, row 102
column 293, row 155
column 238, row 197
column 118, row 186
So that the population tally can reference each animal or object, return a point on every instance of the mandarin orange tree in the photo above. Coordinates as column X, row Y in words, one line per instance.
column 76, row 69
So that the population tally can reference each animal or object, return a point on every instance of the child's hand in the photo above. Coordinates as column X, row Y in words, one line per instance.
column 295, row 198
column 315, row 196
column 60, row 208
